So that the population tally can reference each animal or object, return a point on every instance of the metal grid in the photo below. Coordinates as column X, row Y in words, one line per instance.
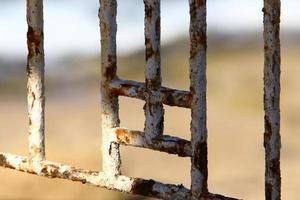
column 154, row 96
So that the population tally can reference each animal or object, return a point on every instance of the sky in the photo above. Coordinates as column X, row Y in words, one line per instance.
column 72, row 26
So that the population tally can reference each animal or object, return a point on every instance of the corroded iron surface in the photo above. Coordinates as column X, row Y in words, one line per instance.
column 154, row 111
column 198, row 91
column 165, row 95
column 164, row 143
column 124, row 184
column 109, row 101
column 272, row 99
column 35, row 75
column 154, row 95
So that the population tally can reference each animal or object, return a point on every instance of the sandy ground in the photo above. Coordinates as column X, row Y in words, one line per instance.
column 235, row 125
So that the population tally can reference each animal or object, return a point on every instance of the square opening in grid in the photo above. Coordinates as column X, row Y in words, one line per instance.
column 149, row 164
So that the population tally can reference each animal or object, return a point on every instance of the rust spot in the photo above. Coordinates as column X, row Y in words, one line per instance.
column 148, row 10
column 268, row 190
column 153, row 84
column 149, row 49
column 181, row 146
column 110, row 149
column 122, row 90
column 83, row 181
column 157, row 27
column 126, row 86
column 275, row 166
column 125, row 137
column 198, row 40
column 66, row 174
column 195, row 5
column 193, row 91
column 272, row 9
column 169, row 99
column 44, row 170
column 160, row 124
column 143, row 187
column 190, row 98
column 200, row 3
column 33, row 99
column 110, row 70
column 2, row 160
column 178, row 147
column 268, row 131
column 200, row 161
column 198, row 34
column 266, row 47
column 54, row 173
column 34, row 38
column 274, row 173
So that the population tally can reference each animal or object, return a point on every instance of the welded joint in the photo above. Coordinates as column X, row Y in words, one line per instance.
column 164, row 143
column 167, row 96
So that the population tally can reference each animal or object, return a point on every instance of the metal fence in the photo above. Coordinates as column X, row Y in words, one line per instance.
column 154, row 95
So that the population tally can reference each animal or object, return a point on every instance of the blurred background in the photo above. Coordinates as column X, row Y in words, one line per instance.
column 235, row 94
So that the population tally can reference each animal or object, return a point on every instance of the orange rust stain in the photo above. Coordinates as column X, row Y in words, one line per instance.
column 123, row 136
column 34, row 38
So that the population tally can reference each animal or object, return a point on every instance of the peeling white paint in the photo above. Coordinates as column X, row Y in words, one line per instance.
column 35, row 74
column 109, row 103
column 198, row 90
column 154, row 112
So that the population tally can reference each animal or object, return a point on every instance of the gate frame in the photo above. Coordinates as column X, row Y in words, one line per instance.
column 155, row 96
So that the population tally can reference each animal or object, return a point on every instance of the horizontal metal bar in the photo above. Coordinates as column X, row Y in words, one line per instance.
column 138, row 90
column 164, row 143
column 124, row 184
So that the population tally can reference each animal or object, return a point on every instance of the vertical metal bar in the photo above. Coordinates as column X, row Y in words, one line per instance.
column 198, row 91
column 272, row 99
column 109, row 101
column 154, row 110
column 35, row 74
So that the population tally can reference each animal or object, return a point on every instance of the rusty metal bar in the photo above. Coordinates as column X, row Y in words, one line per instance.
column 35, row 82
column 154, row 111
column 198, row 90
column 155, row 96
column 109, row 101
column 165, row 95
column 164, row 143
column 124, row 184
column 272, row 99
